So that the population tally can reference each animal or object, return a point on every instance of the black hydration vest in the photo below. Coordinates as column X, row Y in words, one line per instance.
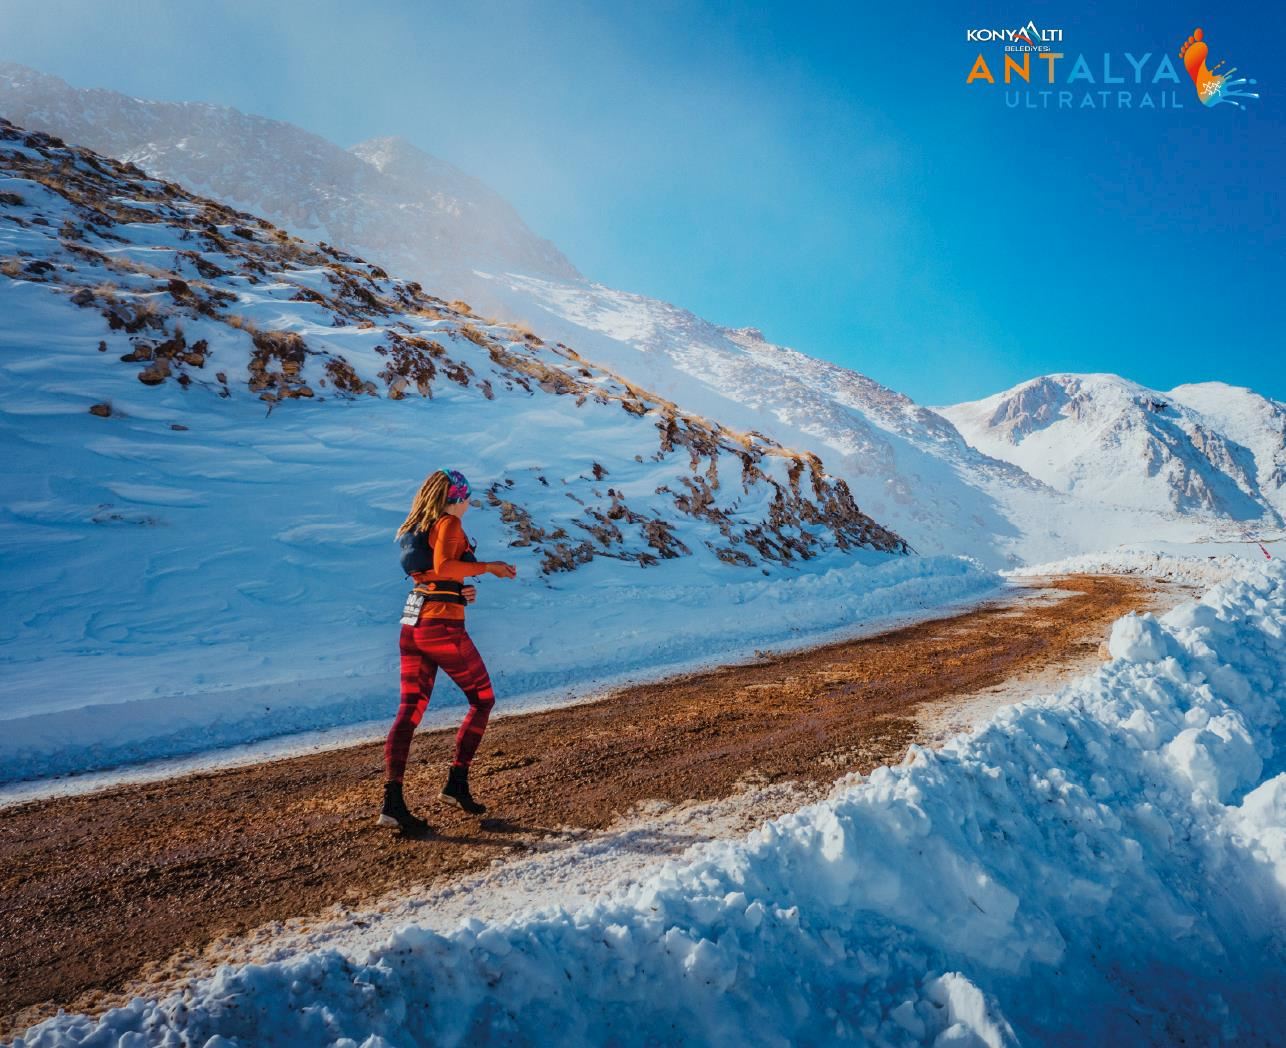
column 417, row 553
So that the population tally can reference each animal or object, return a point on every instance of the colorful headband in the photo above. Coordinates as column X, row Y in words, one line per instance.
column 459, row 489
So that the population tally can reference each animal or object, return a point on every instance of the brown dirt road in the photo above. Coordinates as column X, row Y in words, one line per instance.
column 100, row 888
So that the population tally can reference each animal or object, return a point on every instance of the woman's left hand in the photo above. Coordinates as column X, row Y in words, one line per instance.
column 470, row 593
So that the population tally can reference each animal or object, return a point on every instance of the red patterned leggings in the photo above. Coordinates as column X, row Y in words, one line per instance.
column 424, row 648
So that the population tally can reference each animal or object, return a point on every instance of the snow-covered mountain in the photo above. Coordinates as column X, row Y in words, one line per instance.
column 180, row 277
column 384, row 198
column 904, row 460
column 906, row 465
column 1206, row 449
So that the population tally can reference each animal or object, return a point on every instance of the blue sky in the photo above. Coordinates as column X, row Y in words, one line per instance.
column 822, row 172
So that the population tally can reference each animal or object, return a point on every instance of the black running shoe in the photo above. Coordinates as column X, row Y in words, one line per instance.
column 396, row 815
column 457, row 791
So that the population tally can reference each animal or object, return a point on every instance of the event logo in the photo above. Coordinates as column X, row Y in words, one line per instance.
column 1212, row 86
column 1035, row 76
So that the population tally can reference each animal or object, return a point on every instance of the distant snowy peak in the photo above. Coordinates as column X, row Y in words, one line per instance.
column 384, row 198
column 1198, row 449
column 1033, row 406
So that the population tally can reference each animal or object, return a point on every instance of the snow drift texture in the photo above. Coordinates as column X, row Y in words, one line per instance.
column 1103, row 866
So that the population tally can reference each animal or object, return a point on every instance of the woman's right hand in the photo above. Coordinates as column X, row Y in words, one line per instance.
column 501, row 570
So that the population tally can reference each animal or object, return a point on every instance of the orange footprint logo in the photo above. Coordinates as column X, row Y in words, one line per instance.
column 1213, row 86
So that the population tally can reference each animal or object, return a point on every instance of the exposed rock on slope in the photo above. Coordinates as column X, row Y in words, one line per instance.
column 428, row 221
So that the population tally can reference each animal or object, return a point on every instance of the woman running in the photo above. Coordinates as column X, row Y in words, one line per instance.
column 437, row 554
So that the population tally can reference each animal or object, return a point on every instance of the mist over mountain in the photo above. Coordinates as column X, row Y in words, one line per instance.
column 383, row 198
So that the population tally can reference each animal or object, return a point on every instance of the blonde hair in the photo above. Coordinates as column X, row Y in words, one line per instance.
column 429, row 504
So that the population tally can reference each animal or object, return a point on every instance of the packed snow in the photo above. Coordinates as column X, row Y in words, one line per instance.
column 1104, row 865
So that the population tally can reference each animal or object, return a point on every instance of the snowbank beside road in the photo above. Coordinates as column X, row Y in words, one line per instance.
column 1101, row 866
column 546, row 645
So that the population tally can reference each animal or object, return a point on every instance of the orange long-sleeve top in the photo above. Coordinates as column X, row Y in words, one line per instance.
column 449, row 543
